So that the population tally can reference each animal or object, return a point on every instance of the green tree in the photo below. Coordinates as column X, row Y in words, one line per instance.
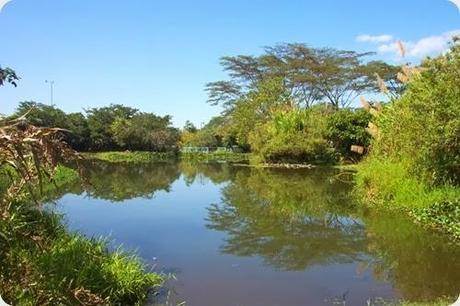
column 258, row 107
column 347, row 127
column 145, row 131
column 79, row 134
column 190, row 127
column 42, row 115
column 100, row 121
column 311, row 75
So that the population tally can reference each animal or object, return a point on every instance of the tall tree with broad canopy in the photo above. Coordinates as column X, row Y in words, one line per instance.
column 312, row 75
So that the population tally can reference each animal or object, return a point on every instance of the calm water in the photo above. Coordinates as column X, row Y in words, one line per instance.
column 246, row 237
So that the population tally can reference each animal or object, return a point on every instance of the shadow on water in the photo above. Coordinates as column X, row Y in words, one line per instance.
column 289, row 220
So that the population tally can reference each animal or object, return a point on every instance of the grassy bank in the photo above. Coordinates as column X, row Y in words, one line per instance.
column 147, row 157
column 218, row 156
column 43, row 264
column 389, row 185
column 131, row 156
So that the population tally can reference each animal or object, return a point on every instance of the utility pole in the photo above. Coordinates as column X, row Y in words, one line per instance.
column 51, row 91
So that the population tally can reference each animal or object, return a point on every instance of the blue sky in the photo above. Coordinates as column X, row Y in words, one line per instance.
column 158, row 55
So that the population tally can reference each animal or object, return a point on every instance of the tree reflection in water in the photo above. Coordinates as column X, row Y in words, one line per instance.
column 297, row 219
column 292, row 221
column 123, row 181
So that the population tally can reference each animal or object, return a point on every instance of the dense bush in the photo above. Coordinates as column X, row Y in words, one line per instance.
column 293, row 136
column 423, row 126
column 347, row 127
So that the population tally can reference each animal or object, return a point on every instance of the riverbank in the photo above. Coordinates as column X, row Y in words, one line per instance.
column 130, row 156
column 43, row 263
column 148, row 157
column 382, row 184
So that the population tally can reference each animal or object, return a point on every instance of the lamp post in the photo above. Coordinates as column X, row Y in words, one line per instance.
column 51, row 91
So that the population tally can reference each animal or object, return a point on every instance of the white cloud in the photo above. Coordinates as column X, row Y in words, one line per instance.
column 456, row 2
column 374, row 38
column 431, row 45
column 3, row 3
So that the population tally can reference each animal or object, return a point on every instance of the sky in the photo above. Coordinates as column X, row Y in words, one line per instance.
column 157, row 56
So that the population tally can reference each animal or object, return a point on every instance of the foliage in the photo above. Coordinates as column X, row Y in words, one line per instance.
column 257, row 108
column 76, row 132
column 311, row 75
column 439, row 302
column 443, row 216
column 296, row 136
column 132, row 157
column 414, row 162
column 8, row 75
column 347, row 127
column 115, row 127
column 117, row 277
column 79, row 136
column 190, row 127
column 62, row 269
column 217, row 156
column 423, row 126
column 100, row 122
column 145, row 131
column 42, row 115
column 293, row 78
column 216, row 133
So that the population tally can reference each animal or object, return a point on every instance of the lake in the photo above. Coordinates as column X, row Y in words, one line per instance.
column 239, row 236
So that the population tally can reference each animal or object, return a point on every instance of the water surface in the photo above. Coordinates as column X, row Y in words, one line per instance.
column 238, row 236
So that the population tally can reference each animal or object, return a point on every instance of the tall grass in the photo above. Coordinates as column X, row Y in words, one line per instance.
column 43, row 264
column 390, row 184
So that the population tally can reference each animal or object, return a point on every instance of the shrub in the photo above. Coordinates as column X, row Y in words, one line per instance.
column 347, row 127
column 423, row 126
column 296, row 135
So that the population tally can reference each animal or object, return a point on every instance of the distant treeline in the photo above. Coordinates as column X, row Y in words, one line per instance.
column 110, row 128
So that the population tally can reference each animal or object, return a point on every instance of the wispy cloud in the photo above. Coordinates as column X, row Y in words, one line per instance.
column 431, row 45
column 374, row 38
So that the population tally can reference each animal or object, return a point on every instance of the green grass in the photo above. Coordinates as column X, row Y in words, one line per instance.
column 217, row 156
column 43, row 264
column 146, row 157
column 390, row 185
column 128, row 156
